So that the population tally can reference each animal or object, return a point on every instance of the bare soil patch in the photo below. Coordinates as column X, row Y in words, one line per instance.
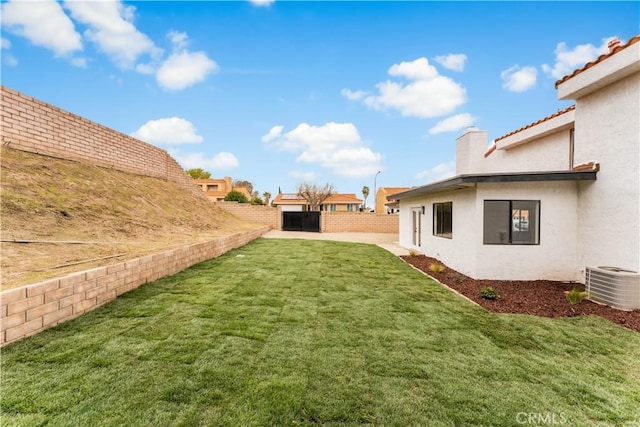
column 539, row 298
column 77, row 216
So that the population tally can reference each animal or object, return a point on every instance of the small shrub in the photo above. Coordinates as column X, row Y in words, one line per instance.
column 489, row 293
column 575, row 295
column 436, row 267
column 412, row 253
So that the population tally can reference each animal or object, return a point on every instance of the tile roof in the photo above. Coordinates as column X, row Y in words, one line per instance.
column 343, row 198
column 566, row 110
column 394, row 190
column 491, row 149
column 294, row 199
column 587, row 166
column 601, row 58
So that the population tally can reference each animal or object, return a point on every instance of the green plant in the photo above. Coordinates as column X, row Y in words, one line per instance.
column 576, row 295
column 412, row 253
column 236, row 196
column 436, row 267
column 488, row 292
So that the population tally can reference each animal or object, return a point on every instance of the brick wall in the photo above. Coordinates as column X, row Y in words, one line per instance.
column 30, row 309
column 358, row 222
column 31, row 125
column 260, row 214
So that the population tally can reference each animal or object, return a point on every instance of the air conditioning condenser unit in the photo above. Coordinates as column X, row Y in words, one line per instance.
column 613, row 286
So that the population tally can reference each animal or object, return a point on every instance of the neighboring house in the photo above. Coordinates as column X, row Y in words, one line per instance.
column 549, row 199
column 217, row 189
column 384, row 204
column 290, row 202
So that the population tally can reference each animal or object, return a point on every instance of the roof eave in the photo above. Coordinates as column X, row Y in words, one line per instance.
column 601, row 74
column 468, row 181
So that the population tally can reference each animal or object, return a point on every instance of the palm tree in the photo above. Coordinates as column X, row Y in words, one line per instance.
column 365, row 193
column 267, row 196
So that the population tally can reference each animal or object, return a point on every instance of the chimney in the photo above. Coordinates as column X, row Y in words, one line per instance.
column 613, row 44
column 470, row 148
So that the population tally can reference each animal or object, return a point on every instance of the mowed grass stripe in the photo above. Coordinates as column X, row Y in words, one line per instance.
column 295, row 332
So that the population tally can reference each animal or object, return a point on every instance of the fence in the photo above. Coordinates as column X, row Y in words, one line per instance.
column 30, row 309
column 31, row 125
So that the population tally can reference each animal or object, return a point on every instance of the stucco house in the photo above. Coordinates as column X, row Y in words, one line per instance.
column 550, row 199
column 217, row 189
column 291, row 202
column 384, row 203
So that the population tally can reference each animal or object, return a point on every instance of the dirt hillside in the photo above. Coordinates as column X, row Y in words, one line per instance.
column 60, row 216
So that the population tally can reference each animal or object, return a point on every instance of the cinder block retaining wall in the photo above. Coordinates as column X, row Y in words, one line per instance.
column 260, row 214
column 330, row 222
column 31, row 125
column 358, row 222
column 30, row 309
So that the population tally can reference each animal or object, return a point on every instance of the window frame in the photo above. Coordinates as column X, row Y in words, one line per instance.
column 438, row 221
column 509, row 215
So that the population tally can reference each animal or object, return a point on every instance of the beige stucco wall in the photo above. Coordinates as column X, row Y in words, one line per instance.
column 549, row 153
column 608, row 131
column 553, row 259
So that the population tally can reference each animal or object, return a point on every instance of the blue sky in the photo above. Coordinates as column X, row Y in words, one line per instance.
column 283, row 92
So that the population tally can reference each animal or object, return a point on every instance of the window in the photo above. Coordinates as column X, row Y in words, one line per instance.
column 333, row 207
column 511, row 222
column 443, row 219
column 212, row 187
column 351, row 207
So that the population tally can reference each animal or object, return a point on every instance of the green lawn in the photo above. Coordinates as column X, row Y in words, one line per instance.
column 293, row 332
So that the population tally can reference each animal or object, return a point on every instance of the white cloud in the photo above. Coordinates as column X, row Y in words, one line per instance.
column 220, row 161
column 303, row 176
column 274, row 133
column 7, row 58
column 111, row 29
column 420, row 69
column 568, row 60
column 262, row 3
column 43, row 23
column 428, row 94
column 224, row 160
column 453, row 61
column 453, row 123
column 438, row 172
column 516, row 79
column 335, row 146
column 353, row 95
column 184, row 69
column 172, row 130
column 79, row 62
column 178, row 40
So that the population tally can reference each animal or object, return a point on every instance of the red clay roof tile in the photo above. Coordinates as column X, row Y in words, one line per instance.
column 566, row 110
column 601, row 58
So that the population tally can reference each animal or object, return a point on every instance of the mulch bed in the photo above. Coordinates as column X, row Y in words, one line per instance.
column 539, row 297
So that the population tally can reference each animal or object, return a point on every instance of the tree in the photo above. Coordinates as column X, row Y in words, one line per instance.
column 236, row 196
column 315, row 195
column 365, row 193
column 198, row 173
column 246, row 184
column 257, row 201
column 266, row 196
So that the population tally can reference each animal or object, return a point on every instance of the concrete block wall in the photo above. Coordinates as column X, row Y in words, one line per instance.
column 358, row 222
column 260, row 214
column 31, row 125
column 30, row 309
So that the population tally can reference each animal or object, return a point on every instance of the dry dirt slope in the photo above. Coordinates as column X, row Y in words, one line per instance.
column 116, row 215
